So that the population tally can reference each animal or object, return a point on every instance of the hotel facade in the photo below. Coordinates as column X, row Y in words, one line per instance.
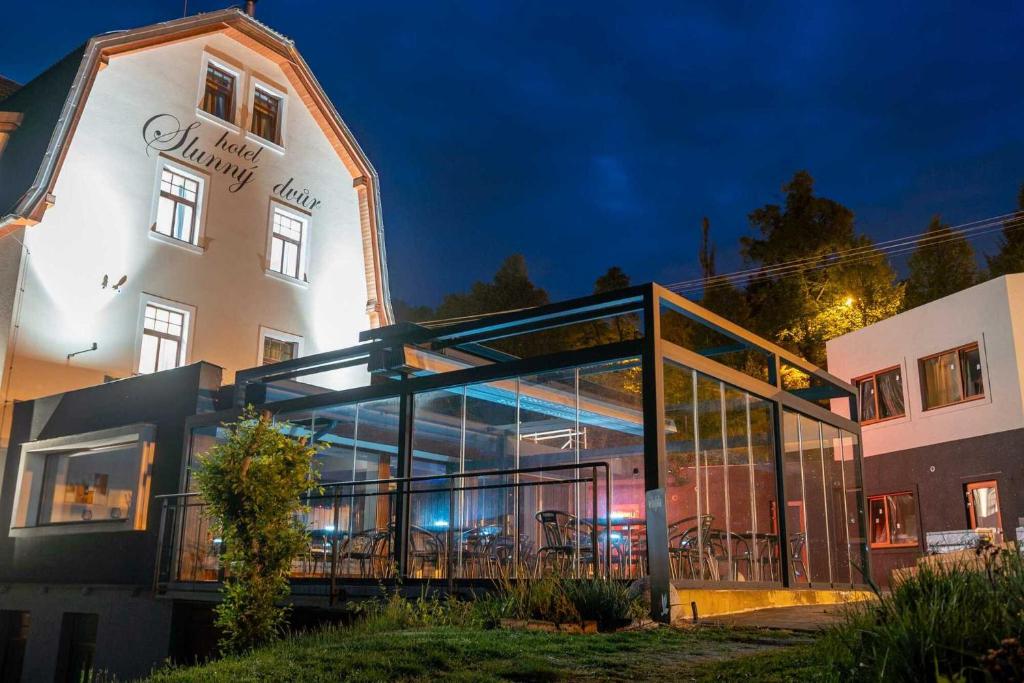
column 941, row 404
column 178, row 192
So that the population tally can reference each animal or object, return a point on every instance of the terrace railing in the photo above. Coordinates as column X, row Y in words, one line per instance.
column 486, row 524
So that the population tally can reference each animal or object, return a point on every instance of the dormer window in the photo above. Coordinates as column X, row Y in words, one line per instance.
column 266, row 115
column 219, row 93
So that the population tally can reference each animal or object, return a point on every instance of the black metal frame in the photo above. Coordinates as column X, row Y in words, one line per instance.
column 383, row 351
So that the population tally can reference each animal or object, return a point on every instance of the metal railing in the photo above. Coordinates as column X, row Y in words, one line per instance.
column 362, row 530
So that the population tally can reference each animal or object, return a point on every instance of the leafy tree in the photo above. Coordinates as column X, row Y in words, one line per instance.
column 1010, row 257
column 510, row 289
column 827, row 294
column 720, row 295
column 614, row 278
column 942, row 263
column 251, row 484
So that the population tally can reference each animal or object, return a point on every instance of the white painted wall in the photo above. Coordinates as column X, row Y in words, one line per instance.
column 991, row 314
column 100, row 225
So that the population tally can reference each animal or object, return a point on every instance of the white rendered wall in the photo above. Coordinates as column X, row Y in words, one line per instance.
column 100, row 225
column 991, row 314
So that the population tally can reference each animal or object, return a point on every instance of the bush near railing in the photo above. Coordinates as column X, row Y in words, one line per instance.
column 955, row 620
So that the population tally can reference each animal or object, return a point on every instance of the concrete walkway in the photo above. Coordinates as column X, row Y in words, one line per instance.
column 802, row 618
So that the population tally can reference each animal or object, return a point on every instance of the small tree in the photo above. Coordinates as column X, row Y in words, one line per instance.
column 252, row 485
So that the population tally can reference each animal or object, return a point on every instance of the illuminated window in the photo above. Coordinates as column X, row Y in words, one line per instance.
column 951, row 377
column 266, row 115
column 219, row 93
column 288, row 243
column 277, row 346
column 983, row 505
column 177, row 213
column 880, row 395
column 893, row 520
column 97, row 478
column 164, row 333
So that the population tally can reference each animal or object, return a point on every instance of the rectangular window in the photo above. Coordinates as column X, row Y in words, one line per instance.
column 893, row 520
column 983, row 505
column 277, row 350
column 219, row 93
column 86, row 479
column 266, row 115
column 13, row 638
column 178, row 207
column 880, row 396
column 287, row 243
column 163, row 338
column 951, row 377
column 77, row 647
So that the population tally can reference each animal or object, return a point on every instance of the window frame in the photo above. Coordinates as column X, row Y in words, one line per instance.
column 199, row 215
column 873, row 376
column 279, row 336
column 234, row 70
column 302, row 276
column 142, row 435
column 973, row 485
column 258, row 83
column 185, row 348
column 888, row 533
column 958, row 350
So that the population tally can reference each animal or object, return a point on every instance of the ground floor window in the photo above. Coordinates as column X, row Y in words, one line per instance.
column 13, row 637
column 983, row 505
column 277, row 346
column 164, row 339
column 893, row 520
column 77, row 647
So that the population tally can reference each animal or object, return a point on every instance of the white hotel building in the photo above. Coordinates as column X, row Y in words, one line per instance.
column 180, row 192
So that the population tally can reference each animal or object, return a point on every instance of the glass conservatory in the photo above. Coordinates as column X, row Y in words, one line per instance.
column 628, row 434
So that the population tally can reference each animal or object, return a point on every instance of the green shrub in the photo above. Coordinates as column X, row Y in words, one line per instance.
column 396, row 612
column 562, row 600
column 942, row 623
column 251, row 484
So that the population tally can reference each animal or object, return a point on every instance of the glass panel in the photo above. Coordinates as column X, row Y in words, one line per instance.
column 276, row 254
column 740, row 541
column 683, row 486
column 167, row 356
column 984, row 502
column 940, row 380
column 90, row 486
column 765, row 544
column 890, row 394
column 555, row 516
column 711, row 471
column 819, row 546
column 879, row 521
column 866, row 397
column 836, row 497
column 856, row 533
column 970, row 361
column 147, row 358
column 437, row 450
column 690, row 333
column 611, row 426
column 796, row 519
column 902, row 519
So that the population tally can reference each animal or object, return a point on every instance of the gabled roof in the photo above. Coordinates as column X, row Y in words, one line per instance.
column 51, row 104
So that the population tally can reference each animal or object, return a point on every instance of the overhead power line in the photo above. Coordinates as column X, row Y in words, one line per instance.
column 893, row 247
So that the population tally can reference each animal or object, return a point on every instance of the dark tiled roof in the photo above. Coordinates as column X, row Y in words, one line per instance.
column 7, row 87
column 41, row 101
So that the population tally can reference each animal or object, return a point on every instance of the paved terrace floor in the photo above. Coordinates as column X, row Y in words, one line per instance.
column 808, row 618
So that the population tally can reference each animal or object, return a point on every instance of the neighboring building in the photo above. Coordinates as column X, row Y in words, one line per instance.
column 941, row 400
column 655, row 450
column 178, row 192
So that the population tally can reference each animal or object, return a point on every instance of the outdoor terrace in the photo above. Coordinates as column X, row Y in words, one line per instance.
column 625, row 434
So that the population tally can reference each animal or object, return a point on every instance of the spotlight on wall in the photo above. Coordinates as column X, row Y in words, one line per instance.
column 120, row 283
column 106, row 279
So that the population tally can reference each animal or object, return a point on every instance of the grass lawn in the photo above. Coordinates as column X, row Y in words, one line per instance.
column 475, row 654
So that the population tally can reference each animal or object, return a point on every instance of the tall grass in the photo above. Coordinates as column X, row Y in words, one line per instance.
column 552, row 598
column 957, row 622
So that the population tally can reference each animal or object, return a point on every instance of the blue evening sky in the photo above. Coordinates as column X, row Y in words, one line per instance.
column 593, row 134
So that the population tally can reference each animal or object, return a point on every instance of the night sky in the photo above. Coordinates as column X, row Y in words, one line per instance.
column 590, row 134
